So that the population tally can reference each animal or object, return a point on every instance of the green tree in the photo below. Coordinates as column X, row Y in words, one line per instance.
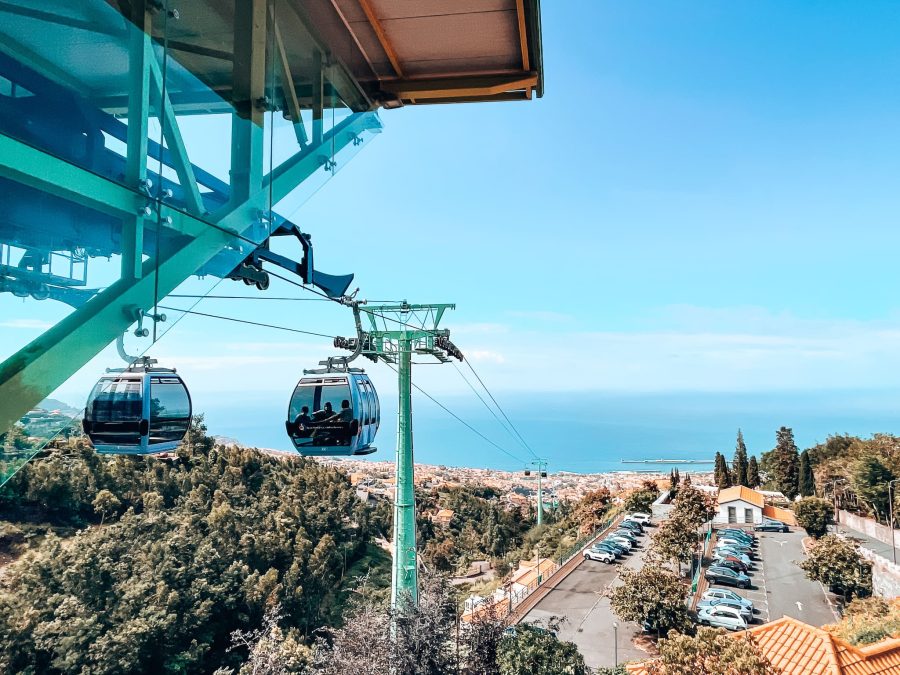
column 692, row 505
column 653, row 597
column 837, row 563
column 785, row 462
column 641, row 499
column 807, row 482
column 722, row 476
column 674, row 481
column 753, row 478
column 740, row 464
column 710, row 652
column 534, row 650
column 676, row 539
column 814, row 515
column 106, row 503
column 869, row 478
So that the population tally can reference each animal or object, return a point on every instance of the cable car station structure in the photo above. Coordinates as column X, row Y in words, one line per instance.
column 147, row 142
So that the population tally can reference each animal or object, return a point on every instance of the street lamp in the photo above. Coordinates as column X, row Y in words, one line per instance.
column 615, row 643
column 891, row 511
column 834, row 483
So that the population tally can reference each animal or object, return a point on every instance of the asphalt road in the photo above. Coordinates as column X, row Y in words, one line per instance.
column 787, row 590
column 581, row 599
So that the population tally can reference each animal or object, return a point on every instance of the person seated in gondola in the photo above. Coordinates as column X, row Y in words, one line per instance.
column 321, row 435
column 344, row 418
column 325, row 413
column 301, row 424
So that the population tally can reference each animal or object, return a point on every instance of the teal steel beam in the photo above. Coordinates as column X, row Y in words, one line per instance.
column 248, row 97
column 318, row 97
column 139, row 60
column 36, row 370
column 404, row 572
column 175, row 143
column 25, row 164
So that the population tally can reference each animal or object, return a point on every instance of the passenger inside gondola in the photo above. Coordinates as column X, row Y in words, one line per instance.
column 302, row 423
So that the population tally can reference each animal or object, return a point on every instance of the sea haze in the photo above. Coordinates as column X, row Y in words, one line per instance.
column 591, row 432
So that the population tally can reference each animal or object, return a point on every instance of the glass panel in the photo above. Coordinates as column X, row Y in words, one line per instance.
column 168, row 399
column 182, row 171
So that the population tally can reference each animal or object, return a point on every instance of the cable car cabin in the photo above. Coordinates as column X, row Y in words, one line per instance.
column 140, row 411
column 334, row 414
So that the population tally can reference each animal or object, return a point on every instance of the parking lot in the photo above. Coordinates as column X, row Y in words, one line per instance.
column 779, row 587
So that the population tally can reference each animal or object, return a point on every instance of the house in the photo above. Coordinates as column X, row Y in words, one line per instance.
column 442, row 517
column 739, row 504
column 530, row 575
column 796, row 648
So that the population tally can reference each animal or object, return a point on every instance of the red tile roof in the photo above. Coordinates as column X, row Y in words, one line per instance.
column 743, row 493
column 796, row 648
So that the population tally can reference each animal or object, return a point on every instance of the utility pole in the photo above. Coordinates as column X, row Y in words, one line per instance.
column 891, row 519
column 541, row 465
column 397, row 331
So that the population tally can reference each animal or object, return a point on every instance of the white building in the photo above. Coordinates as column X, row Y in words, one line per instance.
column 740, row 505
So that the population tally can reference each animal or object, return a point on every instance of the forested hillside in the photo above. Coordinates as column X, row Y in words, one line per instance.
column 169, row 556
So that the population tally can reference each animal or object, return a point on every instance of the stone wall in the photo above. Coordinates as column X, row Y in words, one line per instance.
column 885, row 574
column 868, row 527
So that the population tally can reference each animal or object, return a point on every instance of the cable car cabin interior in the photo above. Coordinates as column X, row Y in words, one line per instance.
column 138, row 412
column 334, row 414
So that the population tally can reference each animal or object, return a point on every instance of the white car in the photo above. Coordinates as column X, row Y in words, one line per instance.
column 726, row 594
column 642, row 518
column 599, row 556
column 721, row 617
column 621, row 540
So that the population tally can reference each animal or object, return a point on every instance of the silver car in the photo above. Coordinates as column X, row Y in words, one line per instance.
column 721, row 617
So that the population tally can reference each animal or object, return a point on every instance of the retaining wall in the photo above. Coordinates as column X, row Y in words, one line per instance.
column 868, row 527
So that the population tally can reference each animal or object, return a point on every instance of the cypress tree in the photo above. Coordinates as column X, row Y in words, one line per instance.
column 739, row 465
column 753, row 479
column 786, row 463
column 722, row 477
column 807, row 482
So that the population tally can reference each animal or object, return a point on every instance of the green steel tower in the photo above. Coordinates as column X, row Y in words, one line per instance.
column 541, row 465
column 398, row 331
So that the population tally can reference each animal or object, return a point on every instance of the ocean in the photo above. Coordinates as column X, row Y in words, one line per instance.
column 590, row 432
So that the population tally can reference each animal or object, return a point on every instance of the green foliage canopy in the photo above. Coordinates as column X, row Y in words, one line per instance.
column 814, row 515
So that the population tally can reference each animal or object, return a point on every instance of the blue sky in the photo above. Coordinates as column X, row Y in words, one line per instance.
column 705, row 200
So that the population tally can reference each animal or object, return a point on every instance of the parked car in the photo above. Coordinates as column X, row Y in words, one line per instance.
column 620, row 540
column 628, row 534
column 737, row 534
column 722, row 554
column 608, row 548
column 599, row 556
column 772, row 526
column 725, row 594
column 717, row 574
column 732, row 563
column 633, row 525
column 734, row 541
column 623, row 549
column 639, row 516
column 735, row 546
column 721, row 617
column 745, row 612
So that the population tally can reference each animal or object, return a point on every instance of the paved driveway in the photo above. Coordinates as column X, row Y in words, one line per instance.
column 582, row 599
column 788, row 591
column 779, row 587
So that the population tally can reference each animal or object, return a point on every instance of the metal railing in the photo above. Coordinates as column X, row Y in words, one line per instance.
column 519, row 596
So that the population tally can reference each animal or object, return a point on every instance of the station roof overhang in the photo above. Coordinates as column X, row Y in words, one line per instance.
column 408, row 52
column 380, row 53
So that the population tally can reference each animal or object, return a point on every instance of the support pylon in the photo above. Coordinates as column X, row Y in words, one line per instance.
column 397, row 331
